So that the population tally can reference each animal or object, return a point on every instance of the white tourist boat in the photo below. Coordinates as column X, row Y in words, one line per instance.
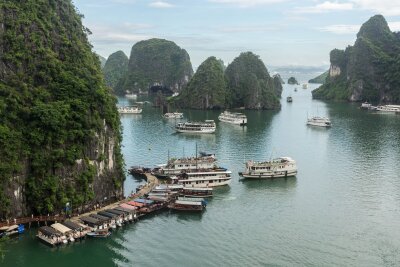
column 129, row 110
column 207, row 126
column 319, row 121
column 388, row 109
column 195, row 172
column 366, row 105
column 131, row 96
column 305, row 85
column 279, row 167
column 233, row 117
column 173, row 115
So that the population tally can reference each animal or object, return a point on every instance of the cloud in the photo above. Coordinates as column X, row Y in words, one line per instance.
column 247, row 3
column 125, row 33
column 324, row 7
column 248, row 29
column 352, row 28
column 340, row 29
column 384, row 7
column 160, row 4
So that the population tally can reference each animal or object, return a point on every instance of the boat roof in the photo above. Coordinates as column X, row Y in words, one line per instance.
column 198, row 189
column 208, row 172
column 276, row 160
column 99, row 217
column 116, row 212
column 194, row 199
column 72, row 225
column 144, row 201
column 127, row 206
column 124, row 209
column 61, row 228
column 47, row 230
column 184, row 202
column 135, row 204
column 90, row 220
column 107, row 214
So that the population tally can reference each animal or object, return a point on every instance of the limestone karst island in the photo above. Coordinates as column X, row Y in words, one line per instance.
column 199, row 133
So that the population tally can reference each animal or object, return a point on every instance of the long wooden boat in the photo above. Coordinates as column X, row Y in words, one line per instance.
column 182, row 205
column 99, row 233
column 197, row 192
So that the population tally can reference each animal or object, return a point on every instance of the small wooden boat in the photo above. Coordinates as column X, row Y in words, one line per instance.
column 197, row 192
column 99, row 233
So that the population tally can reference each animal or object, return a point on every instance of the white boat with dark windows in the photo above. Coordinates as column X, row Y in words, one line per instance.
column 388, row 109
column 195, row 172
column 173, row 115
column 279, row 167
column 366, row 105
column 207, row 126
column 319, row 121
column 233, row 117
column 129, row 110
column 131, row 96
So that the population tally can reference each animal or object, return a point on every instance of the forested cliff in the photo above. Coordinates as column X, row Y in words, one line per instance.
column 369, row 70
column 59, row 127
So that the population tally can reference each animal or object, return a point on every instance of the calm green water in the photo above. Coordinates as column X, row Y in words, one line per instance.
column 343, row 208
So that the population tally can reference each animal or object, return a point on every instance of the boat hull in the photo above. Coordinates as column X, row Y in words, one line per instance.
column 236, row 122
column 268, row 175
column 202, row 131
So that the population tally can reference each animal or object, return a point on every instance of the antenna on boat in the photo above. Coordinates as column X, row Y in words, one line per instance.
column 196, row 157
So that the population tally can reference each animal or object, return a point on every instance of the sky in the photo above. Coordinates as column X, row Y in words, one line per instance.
column 281, row 32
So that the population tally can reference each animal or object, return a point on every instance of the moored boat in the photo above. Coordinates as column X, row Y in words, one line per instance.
column 319, row 121
column 184, row 205
column 233, row 117
column 131, row 95
column 289, row 99
column 50, row 236
column 99, row 233
column 208, row 126
column 280, row 167
column 197, row 192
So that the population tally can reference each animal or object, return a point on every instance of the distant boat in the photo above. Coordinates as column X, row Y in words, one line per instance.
column 319, row 121
column 366, row 105
column 173, row 115
column 280, row 167
column 131, row 96
column 233, row 117
column 289, row 99
column 208, row 126
column 295, row 89
column 305, row 85
column 129, row 110
column 388, row 109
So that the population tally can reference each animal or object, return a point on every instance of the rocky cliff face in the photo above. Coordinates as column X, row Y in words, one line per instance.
column 59, row 127
column 115, row 68
column 206, row 89
column 249, row 84
column 368, row 70
column 156, row 61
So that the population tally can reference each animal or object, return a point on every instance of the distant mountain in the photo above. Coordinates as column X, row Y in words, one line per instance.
column 156, row 61
column 320, row 78
column 207, row 88
column 292, row 80
column 115, row 68
column 369, row 70
column 249, row 84
column 102, row 61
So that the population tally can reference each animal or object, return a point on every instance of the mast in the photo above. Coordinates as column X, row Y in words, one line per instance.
column 196, row 157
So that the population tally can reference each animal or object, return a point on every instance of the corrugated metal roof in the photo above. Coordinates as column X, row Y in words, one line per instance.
column 61, row 228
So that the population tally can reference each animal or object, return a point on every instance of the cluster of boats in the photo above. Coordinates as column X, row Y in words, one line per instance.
column 208, row 126
column 202, row 172
column 11, row 230
column 382, row 108
column 93, row 225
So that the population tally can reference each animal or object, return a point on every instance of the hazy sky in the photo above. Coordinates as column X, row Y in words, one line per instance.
column 282, row 32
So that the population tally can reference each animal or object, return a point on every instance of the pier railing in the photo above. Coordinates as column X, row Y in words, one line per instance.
column 25, row 220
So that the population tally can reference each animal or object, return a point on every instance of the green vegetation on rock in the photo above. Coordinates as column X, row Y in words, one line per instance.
column 206, row 89
column 103, row 61
column 54, row 105
column 249, row 84
column 278, row 84
column 115, row 68
column 156, row 61
column 369, row 70
column 320, row 78
column 292, row 80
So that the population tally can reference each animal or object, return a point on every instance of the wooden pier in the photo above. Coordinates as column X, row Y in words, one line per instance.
column 152, row 182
